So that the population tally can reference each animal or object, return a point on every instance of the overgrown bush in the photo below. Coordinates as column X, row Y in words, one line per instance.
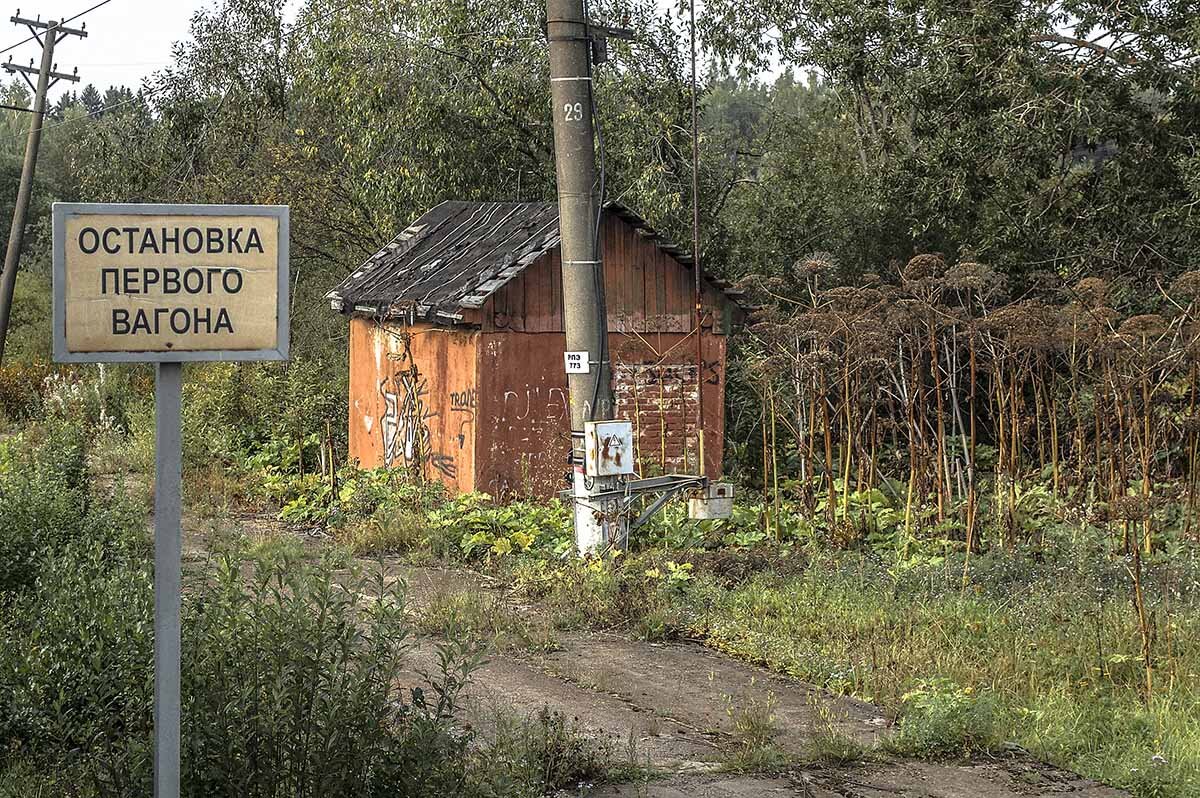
column 21, row 386
column 300, row 685
column 75, row 662
column 297, row 684
column 234, row 411
column 46, row 503
column 941, row 719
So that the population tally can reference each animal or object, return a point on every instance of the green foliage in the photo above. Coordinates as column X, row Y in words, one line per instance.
column 488, row 529
column 948, row 119
column 940, row 719
column 263, row 418
column 46, row 504
column 480, row 616
column 1042, row 654
column 609, row 592
column 297, row 683
column 306, row 673
column 29, row 332
column 21, row 389
column 75, row 667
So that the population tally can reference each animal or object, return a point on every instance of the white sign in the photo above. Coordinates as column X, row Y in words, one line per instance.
column 165, row 284
column 578, row 362
column 169, row 283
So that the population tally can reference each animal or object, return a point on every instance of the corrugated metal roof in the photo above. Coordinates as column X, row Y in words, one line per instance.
column 460, row 253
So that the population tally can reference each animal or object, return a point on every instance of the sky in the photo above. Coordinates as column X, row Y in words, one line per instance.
column 127, row 39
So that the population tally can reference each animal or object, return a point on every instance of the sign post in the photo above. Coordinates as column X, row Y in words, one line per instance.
column 168, row 384
column 167, row 284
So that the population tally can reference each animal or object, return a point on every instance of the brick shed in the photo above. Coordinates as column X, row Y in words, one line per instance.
column 456, row 349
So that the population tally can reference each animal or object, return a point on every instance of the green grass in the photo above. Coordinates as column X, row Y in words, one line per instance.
column 1041, row 653
column 754, row 733
column 1029, row 661
column 453, row 614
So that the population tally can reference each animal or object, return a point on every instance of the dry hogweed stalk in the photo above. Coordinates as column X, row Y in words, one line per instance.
column 980, row 279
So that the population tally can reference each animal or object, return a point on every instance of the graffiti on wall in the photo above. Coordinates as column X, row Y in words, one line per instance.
column 463, row 400
column 405, row 422
column 462, row 404
column 405, row 426
column 551, row 405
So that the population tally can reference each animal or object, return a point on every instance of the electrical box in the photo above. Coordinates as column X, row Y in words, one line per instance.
column 608, row 448
column 713, row 502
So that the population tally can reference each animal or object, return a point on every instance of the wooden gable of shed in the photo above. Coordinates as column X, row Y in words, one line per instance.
column 646, row 289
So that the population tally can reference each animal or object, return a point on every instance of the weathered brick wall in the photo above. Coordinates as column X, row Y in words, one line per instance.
column 660, row 400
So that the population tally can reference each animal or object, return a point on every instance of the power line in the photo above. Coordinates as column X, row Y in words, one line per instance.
column 64, row 22
column 86, row 11
column 52, row 34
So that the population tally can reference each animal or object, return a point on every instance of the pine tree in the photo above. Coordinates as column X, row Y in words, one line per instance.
column 65, row 101
column 117, row 97
column 91, row 100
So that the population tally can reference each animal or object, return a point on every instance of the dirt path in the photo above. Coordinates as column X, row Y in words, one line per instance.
column 674, row 706
column 673, row 709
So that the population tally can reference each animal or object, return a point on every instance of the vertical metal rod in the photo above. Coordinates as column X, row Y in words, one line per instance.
column 167, row 578
column 16, row 235
column 702, row 470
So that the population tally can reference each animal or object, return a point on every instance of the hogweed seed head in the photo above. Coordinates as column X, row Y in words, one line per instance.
column 814, row 264
column 1186, row 285
column 1091, row 292
column 1147, row 325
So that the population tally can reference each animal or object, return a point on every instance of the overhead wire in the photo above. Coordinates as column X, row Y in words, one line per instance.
column 64, row 22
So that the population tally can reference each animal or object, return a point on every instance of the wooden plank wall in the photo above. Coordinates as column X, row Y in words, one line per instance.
column 647, row 290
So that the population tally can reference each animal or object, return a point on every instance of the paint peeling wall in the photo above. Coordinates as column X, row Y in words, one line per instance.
column 524, row 416
column 488, row 409
column 413, row 400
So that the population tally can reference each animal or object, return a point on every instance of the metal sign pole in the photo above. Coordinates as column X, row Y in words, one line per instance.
column 167, row 578
column 169, row 284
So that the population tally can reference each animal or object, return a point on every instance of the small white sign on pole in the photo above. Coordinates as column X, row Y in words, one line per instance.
column 578, row 362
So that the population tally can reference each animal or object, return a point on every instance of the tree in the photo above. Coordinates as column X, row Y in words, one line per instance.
column 91, row 100
column 361, row 117
column 975, row 125
column 64, row 102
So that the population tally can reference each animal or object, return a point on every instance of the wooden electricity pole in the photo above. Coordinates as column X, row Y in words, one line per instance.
column 585, row 319
column 48, row 34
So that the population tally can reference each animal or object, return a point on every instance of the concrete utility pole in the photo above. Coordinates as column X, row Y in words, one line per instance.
column 48, row 34
column 584, row 315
